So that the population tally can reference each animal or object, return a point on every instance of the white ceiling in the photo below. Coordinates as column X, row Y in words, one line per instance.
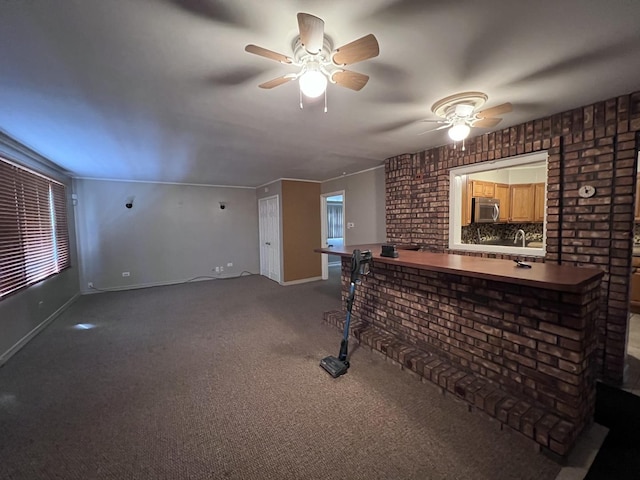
column 162, row 90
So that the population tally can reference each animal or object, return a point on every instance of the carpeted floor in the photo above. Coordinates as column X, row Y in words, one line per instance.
column 619, row 456
column 220, row 380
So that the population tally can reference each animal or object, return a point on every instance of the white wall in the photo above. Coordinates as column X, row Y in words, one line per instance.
column 172, row 234
column 512, row 176
column 364, row 203
column 528, row 175
column 26, row 312
column 496, row 176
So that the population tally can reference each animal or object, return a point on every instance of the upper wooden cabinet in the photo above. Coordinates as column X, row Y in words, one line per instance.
column 483, row 189
column 522, row 202
column 502, row 194
column 540, row 194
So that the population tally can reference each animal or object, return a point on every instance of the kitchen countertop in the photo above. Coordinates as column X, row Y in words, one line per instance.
column 541, row 275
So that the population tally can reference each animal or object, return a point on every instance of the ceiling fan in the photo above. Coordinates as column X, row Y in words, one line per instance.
column 460, row 113
column 317, row 61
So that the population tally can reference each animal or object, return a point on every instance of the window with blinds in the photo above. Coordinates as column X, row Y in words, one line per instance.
column 34, row 239
column 334, row 220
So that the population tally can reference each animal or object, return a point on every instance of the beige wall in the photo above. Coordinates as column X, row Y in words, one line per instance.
column 364, row 204
column 301, row 230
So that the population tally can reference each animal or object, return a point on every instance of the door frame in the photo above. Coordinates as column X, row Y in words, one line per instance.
column 324, row 222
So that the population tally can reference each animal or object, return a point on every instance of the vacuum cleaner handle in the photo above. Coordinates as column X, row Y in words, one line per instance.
column 359, row 264
column 355, row 265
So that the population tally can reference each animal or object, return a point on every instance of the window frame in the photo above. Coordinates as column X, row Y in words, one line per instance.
column 35, row 244
column 455, row 205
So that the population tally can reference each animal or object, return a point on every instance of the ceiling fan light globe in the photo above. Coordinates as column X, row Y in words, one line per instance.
column 313, row 83
column 459, row 132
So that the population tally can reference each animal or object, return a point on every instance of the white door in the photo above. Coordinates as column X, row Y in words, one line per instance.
column 269, row 226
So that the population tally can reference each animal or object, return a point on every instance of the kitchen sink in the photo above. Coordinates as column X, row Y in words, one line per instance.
column 499, row 241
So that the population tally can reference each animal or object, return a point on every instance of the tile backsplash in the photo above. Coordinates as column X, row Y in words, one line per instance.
column 482, row 232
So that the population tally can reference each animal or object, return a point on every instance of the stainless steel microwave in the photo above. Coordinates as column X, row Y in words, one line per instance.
column 485, row 210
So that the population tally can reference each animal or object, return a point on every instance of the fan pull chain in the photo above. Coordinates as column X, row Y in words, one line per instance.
column 325, row 100
column 301, row 106
column 463, row 145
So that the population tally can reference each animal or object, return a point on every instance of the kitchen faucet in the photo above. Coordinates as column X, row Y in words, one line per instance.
column 519, row 233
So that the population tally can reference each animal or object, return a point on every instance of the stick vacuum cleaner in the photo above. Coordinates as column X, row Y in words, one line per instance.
column 359, row 266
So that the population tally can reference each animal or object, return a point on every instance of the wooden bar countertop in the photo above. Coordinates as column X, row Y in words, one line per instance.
column 541, row 275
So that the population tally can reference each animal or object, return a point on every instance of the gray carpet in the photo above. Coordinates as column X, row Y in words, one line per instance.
column 220, row 380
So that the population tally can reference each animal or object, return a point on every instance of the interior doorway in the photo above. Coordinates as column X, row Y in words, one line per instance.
column 332, row 230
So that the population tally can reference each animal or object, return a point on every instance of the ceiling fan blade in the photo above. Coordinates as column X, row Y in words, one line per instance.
column 263, row 52
column 276, row 82
column 353, row 80
column 357, row 51
column 494, row 111
column 434, row 129
column 435, row 121
column 486, row 122
column 311, row 32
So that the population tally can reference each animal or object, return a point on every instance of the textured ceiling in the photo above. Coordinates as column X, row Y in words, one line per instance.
column 162, row 90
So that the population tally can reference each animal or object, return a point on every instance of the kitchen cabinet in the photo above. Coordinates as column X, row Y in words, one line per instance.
column 483, row 189
column 540, row 192
column 527, row 202
column 518, row 203
column 637, row 198
column 465, row 187
column 502, row 194
column 522, row 202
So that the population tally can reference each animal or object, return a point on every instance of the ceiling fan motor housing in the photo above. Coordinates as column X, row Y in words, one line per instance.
column 320, row 61
column 460, row 105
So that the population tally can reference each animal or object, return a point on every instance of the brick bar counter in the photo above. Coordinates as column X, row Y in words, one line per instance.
column 515, row 343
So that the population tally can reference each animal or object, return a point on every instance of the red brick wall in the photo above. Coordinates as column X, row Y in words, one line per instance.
column 596, row 145
column 537, row 345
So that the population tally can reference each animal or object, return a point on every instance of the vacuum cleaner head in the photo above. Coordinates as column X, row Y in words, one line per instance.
column 334, row 366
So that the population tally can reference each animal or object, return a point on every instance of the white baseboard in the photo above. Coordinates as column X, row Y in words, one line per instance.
column 91, row 291
column 303, row 280
column 24, row 340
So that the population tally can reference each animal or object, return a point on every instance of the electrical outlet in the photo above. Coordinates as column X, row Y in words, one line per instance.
column 230, row 264
column 90, row 284
column 126, row 274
